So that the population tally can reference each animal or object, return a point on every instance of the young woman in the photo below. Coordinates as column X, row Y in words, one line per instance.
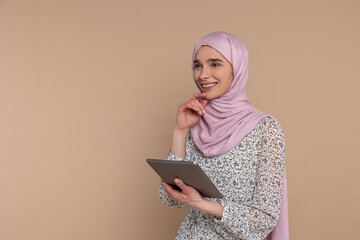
column 240, row 148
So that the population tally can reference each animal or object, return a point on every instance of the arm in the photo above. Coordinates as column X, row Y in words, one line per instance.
column 255, row 219
column 163, row 196
column 189, row 114
column 192, row 198
column 188, row 195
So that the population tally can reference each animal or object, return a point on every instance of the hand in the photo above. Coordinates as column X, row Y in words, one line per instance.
column 189, row 113
column 191, row 197
column 188, row 195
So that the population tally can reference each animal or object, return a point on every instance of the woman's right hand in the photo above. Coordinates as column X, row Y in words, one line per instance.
column 189, row 113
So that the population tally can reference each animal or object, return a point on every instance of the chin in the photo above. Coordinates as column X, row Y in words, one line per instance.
column 210, row 97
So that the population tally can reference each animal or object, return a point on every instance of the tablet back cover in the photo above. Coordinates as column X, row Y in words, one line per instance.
column 190, row 172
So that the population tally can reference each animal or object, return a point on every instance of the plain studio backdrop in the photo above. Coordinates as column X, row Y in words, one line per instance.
column 90, row 89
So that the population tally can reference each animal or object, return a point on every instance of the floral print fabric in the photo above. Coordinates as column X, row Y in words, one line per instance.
column 250, row 177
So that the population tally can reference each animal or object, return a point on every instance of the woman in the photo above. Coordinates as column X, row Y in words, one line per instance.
column 241, row 149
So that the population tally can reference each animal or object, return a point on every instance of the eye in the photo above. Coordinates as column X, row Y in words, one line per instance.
column 197, row 66
column 215, row 64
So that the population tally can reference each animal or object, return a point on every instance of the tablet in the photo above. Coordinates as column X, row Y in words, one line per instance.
column 189, row 172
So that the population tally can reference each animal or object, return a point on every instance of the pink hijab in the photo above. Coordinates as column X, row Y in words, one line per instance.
column 230, row 118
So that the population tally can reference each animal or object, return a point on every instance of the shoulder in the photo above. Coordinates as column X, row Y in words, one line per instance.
column 269, row 123
column 270, row 127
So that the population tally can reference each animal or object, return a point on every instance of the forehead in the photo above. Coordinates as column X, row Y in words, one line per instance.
column 206, row 52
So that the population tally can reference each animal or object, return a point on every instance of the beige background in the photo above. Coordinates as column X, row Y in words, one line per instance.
column 89, row 89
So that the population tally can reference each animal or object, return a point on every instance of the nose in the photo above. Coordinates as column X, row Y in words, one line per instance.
column 205, row 73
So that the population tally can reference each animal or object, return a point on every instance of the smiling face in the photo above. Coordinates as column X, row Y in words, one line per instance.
column 212, row 72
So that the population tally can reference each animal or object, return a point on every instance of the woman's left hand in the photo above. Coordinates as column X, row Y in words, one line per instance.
column 191, row 197
column 188, row 195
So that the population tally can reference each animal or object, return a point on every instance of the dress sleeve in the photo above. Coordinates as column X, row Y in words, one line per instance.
column 258, row 217
column 163, row 196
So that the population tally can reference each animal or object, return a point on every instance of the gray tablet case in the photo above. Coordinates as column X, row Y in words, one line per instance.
column 189, row 172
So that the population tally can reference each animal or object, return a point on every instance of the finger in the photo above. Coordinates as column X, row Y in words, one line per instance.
column 167, row 187
column 174, row 194
column 166, row 184
column 180, row 184
column 187, row 106
column 191, row 105
column 198, row 95
column 199, row 105
column 163, row 183
column 204, row 102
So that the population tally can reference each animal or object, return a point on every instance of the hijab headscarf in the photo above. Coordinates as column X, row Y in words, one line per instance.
column 230, row 117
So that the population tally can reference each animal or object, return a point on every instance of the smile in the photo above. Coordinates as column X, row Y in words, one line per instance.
column 209, row 85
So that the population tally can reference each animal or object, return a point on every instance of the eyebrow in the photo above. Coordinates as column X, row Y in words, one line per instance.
column 210, row 60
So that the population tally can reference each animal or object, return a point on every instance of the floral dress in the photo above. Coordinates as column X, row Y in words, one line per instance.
column 250, row 177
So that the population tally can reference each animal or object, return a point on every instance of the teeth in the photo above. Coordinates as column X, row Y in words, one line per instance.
column 209, row 85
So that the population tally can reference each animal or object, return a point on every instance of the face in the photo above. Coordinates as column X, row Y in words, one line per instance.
column 212, row 72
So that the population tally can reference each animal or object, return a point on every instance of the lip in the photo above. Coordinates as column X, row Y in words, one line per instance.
column 206, row 89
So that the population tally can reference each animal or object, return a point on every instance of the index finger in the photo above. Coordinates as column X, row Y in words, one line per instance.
column 198, row 95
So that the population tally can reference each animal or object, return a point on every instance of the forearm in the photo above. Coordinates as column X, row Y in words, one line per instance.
column 191, row 197
column 188, row 115
column 245, row 222
column 210, row 207
column 179, row 142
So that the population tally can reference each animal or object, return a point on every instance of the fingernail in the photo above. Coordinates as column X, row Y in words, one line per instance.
column 177, row 181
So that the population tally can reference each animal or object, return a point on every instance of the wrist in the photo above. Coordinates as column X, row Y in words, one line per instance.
column 179, row 142
column 181, row 132
column 211, row 207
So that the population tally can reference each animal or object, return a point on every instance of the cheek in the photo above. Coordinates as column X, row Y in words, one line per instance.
column 230, row 78
column 226, row 78
column 196, row 75
column 228, row 82
column 196, row 78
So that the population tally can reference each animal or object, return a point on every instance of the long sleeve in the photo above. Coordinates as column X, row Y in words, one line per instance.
column 163, row 196
column 256, row 217
column 250, row 177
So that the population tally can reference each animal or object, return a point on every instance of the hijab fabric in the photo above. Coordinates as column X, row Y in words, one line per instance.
column 230, row 117
column 281, row 231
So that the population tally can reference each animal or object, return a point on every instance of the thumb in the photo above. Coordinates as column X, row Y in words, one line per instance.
column 179, row 183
